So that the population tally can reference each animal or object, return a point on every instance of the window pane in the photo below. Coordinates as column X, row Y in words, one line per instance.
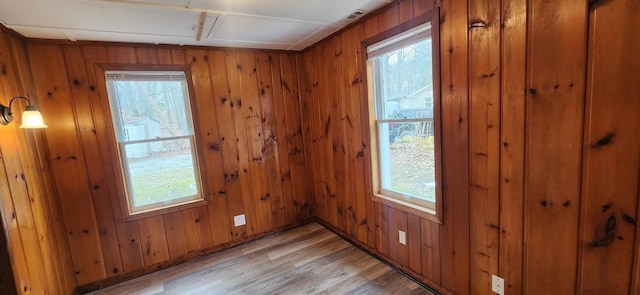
column 407, row 159
column 160, row 171
column 404, row 82
column 400, row 71
column 150, row 109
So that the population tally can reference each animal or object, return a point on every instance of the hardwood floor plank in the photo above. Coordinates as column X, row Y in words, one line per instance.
column 307, row 260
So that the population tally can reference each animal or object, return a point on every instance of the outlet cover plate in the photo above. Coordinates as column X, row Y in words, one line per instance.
column 402, row 237
column 239, row 220
column 497, row 284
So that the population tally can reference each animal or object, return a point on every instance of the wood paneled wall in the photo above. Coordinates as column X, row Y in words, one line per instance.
column 540, row 152
column 248, row 124
column 333, row 75
column 36, row 241
column 540, row 148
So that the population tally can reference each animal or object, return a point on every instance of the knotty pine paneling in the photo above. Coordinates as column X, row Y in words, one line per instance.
column 513, row 67
column 484, row 146
column 530, row 179
column 333, row 76
column 559, row 160
column 611, row 156
column 554, row 123
column 36, row 240
column 239, row 137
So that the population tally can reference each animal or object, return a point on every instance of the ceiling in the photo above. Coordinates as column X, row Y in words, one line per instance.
column 269, row 24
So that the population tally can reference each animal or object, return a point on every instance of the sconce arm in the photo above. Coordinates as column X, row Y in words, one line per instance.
column 6, row 116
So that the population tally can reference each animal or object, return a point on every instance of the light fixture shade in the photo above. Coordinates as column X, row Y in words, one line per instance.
column 31, row 118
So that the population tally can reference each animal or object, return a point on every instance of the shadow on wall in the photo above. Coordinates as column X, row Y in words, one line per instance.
column 7, row 285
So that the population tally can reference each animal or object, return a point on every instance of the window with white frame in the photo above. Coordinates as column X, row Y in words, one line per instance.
column 404, row 107
column 154, row 131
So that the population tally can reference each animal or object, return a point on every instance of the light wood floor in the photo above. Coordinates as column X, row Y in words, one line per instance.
column 305, row 260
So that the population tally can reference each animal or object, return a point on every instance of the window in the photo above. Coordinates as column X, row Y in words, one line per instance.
column 404, row 108
column 154, row 133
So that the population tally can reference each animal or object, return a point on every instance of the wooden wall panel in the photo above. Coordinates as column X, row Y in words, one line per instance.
column 555, row 110
column 36, row 240
column 513, row 65
column 235, row 122
column 484, row 137
column 68, row 161
column 530, row 179
column 291, row 97
column 371, row 224
column 454, row 235
column 270, row 129
column 611, row 157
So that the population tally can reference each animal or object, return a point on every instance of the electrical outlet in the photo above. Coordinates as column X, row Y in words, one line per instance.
column 239, row 220
column 402, row 237
column 497, row 284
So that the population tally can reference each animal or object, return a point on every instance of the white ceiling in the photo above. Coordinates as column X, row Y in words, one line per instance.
column 270, row 24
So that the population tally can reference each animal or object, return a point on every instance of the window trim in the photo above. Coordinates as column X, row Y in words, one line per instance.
column 434, row 213
column 118, row 182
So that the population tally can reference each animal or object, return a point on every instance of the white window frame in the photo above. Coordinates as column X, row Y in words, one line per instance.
column 398, row 37
column 122, row 142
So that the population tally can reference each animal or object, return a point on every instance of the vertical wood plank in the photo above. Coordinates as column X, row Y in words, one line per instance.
column 340, row 138
column 422, row 6
column 281, row 139
column 271, row 166
column 326, row 94
column 454, row 234
column 175, row 233
column 18, row 259
column 213, row 220
column 430, row 235
column 353, row 83
column 397, row 222
column 146, row 55
column 388, row 18
column 414, row 240
column 243, row 200
column 153, row 240
column 80, row 90
column 252, row 163
column 484, row 137
column 291, row 99
column 191, row 232
column 405, row 11
column 555, row 110
column 68, row 161
column 382, row 229
column 315, row 130
column 611, row 170
column 370, row 27
column 17, row 196
column 514, row 51
column 366, row 211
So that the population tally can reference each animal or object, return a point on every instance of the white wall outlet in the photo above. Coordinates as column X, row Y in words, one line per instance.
column 239, row 220
column 497, row 284
column 402, row 237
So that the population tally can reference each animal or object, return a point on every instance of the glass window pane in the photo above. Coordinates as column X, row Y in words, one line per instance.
column 160, row 171
column 150, row 109
column 407, row 162
column 404, row 82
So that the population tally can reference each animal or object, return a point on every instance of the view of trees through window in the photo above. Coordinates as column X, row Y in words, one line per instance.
column 403, row 87
column 153, row 125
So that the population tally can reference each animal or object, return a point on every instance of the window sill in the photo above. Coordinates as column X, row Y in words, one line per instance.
column 426, row 213
column 165, row 210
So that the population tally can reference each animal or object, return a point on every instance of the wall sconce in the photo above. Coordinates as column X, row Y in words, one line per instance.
column 31, row 117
